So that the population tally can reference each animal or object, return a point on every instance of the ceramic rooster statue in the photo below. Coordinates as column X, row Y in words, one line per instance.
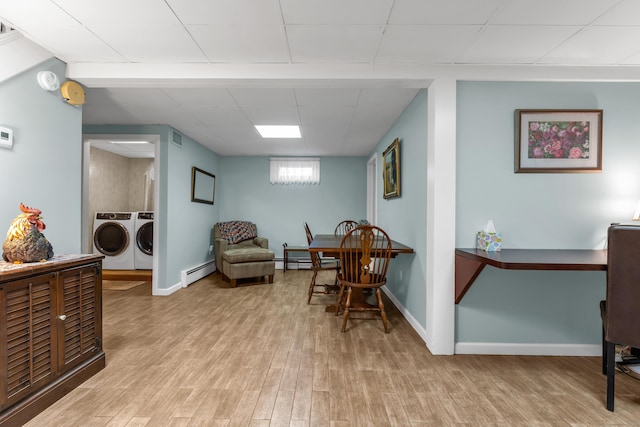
column 25, row 241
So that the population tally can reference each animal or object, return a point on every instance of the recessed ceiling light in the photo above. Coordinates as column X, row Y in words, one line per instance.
column 270, row 131
column 130, row 142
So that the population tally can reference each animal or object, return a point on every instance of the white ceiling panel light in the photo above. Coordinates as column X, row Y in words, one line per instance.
column 278, row 131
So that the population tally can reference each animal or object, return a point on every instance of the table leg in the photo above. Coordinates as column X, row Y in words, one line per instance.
column 286, row 259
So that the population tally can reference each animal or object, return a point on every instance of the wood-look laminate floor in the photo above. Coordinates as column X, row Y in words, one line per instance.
column 258, row 355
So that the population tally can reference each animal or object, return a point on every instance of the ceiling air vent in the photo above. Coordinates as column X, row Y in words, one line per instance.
column 177, row 139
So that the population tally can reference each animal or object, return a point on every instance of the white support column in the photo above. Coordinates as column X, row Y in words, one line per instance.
column 441, row 210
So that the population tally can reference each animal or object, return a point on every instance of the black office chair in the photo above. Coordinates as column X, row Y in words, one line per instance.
column 621, row 309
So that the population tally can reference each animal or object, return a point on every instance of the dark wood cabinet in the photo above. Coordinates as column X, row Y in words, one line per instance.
column 50, row 332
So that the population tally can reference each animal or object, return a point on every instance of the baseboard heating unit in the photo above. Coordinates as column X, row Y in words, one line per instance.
column 198, row 272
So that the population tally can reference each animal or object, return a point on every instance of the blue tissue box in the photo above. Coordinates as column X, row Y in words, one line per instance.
column 488, row 241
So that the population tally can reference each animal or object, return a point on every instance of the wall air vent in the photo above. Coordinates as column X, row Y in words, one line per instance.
column 177, row 139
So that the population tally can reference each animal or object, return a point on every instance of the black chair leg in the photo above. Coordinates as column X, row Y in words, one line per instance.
column 611, row 371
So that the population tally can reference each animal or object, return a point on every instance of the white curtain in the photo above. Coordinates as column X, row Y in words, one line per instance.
column 299, row 170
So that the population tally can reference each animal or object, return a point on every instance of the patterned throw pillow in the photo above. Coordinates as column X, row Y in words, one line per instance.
column 237, row 231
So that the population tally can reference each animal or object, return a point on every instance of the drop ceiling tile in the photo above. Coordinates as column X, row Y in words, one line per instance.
column 330, row 43
column 326, row 96
column 359, row 145
column 212, row 97
column 335, row 12
column 272, row 116
column 227, row 12
column 145, row 97
column 263, row 97
column 220, row 117
column 241, row 43
column 627, row 12
column 387, row 96
column 514, row 44
column 237, row 135
column 74, row 43
column 120, row 12
column 551, row 12
column 458, row 12
column 596, row 45
column 30, row 16
column 632, row 59
column 322, row 135
column 325, row 116
column 436, row 44
column 152, row 43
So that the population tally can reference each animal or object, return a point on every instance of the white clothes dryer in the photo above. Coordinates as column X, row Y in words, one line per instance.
column 143, row 258
column 113, row 237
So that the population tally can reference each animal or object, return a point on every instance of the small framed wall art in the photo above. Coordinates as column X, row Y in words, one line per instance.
column 203, row 186
column 391, row 170
column 558, row 141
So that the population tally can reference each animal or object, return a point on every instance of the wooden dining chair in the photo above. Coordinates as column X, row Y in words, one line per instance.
column 318, row 265
column 344, row 227
column 621, row 309
column 365, row 252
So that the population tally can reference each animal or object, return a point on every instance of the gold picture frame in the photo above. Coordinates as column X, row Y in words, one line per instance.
column 391, row 170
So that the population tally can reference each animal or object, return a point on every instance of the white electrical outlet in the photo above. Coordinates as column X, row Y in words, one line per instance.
column 210, row 249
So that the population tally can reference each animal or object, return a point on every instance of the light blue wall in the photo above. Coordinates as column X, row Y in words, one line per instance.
column 184, row 226
column 279, row 211
column 404, row 217
column 570, row 211
column 43, row 169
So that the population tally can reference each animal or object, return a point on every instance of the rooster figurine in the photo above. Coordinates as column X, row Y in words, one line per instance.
column 25, row 242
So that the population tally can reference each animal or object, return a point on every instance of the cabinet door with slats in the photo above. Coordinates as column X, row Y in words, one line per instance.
column 27, row 338
column 79, row 305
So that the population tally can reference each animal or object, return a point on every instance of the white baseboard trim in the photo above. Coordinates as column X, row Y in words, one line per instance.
column 528, row 349
column 507, row 349
column 407, row 315
column 168, row 291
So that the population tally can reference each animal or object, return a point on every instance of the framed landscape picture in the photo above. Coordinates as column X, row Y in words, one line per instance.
column 558, row 141
column 391, row 170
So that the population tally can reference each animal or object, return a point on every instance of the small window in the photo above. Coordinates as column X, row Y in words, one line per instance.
column 295, row 170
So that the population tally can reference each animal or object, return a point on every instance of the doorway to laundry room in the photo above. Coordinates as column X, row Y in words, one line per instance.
column 119, row 204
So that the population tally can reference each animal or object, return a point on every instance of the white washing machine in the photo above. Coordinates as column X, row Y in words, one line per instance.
column 113, row 237
column 143, row 258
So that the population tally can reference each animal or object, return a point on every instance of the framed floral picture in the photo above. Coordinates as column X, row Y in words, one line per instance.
column 391, row 170
column 558, row 141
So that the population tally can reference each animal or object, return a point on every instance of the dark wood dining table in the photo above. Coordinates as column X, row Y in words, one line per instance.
column 328, row 245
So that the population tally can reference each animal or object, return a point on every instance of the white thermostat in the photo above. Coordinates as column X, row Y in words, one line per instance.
column 6, row 137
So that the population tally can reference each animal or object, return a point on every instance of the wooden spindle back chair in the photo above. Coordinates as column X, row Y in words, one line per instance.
column 344, row 227
column 365, row 252
column 318, row 265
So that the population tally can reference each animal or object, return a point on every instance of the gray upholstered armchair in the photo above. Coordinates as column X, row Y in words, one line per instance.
column 241, row 253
